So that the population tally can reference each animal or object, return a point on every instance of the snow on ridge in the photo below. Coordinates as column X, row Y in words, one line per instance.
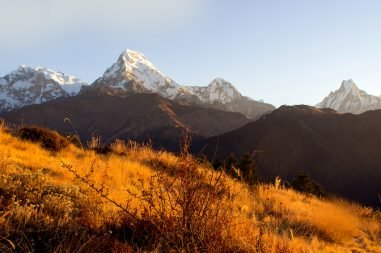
column 350, row 99
column 28, row 85
column 69, row 83
column 132, row 65
column 3, row 81
column 137, row 58
column 222, row 90
column 131, row 72
column 349, row 85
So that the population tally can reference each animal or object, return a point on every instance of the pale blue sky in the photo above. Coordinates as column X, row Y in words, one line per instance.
column 281, row 51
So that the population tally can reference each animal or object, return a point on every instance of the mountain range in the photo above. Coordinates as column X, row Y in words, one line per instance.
column 134, row 73
column 131, row 73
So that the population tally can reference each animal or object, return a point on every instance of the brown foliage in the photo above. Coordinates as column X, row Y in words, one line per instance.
column 182, row 208
column 48, row 139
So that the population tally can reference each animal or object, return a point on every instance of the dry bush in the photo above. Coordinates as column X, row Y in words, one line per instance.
column 183, row 207
column 118, row 147
column 36, row 215
column 3, row 126
column 48, row 139
column 96, row 144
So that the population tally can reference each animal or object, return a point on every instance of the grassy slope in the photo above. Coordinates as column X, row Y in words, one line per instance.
column 38, row 195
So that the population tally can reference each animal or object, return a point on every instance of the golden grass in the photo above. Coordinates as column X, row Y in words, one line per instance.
column 266, row 218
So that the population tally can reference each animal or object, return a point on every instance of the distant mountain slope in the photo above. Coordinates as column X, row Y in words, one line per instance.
column 134, row 73
column 340, row 151
column 350, row 99
column 26, row 86
column 136, row 116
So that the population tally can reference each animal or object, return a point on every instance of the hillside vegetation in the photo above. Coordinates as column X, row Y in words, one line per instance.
column 136, row 199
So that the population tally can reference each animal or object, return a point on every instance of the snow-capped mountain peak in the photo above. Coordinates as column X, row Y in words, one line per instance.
column 27, row 85
column 350, row 99
column 221, row 83
column 349, row 85
column 68, row 83
column 134, row 72
column 222, row 91
column 130, row 61
column 131, row 57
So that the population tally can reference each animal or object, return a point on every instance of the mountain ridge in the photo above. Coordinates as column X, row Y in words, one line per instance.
column 138, row 116
column 340, row 151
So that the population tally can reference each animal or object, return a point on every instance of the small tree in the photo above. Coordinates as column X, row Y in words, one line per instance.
column 182, row 208
column 231, row 164
column 248, row 169
column 303, row 183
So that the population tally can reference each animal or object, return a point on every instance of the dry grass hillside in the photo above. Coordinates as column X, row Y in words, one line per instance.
column 135, row 199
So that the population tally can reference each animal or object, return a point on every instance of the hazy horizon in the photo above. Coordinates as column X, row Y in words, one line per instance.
column 292, row 52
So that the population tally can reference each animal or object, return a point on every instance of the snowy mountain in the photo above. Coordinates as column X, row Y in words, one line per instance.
column 219, row 90
column 350, row 99
column 133, row 72
column 26, row 86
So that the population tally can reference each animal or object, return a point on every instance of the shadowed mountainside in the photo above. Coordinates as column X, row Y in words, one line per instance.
column 341, row 151
column 137, row 116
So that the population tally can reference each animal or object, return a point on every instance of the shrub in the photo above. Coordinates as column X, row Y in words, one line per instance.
column 187, row 211
column 244, row 169
column 184, row 207
column 96, row 144
column 303, row 183
column 249, row 170
column 118, row 147
column 48, row 139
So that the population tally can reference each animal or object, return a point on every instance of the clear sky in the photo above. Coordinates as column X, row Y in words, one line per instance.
column 281, row 51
